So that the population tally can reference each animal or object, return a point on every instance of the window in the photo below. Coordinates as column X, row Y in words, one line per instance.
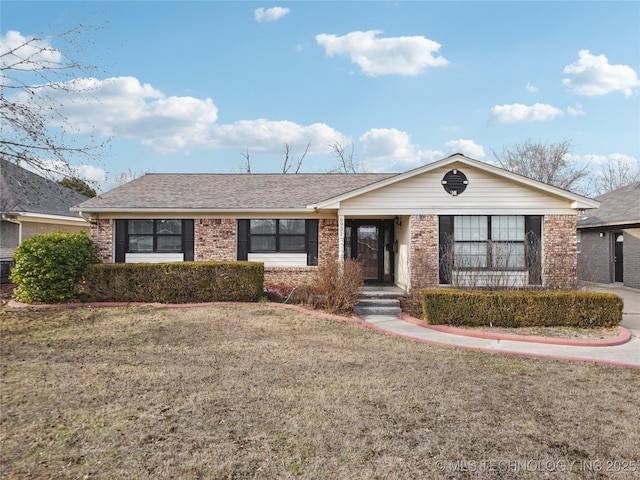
column 275, row 236
column 289, row 235
column 490, row 243
column 154, row 236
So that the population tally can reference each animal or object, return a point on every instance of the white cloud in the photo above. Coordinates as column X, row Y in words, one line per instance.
column 268, row 136
column 384, row 56
column 531, row 88
column 592, row 76
column 269, row 14
column 466, row 147
column 518, row 112
column 90, row 173
column 391, row 150
column 619, row 158
column 575, row 111
column 28, row 53
column 123, row 107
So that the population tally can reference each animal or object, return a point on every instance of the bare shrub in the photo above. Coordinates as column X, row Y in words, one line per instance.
column 339, row 285
column 510, row 267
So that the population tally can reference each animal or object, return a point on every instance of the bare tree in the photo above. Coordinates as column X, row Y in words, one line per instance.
column 548, row 163
column 245, row 166
column 614, row 174
column 345, row 153
column 128, row 176
column 290, row 162
column 36, row 80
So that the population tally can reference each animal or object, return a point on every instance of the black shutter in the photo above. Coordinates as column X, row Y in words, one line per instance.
column 187, row 238
column 121, row 240
column 533, row 248
column 312, row 242
column 445, row 242
column 243, row 239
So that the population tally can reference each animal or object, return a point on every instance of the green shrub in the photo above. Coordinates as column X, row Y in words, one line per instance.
column 48, row 266
column 181, row 282
column 339, row 285
column 521, row 308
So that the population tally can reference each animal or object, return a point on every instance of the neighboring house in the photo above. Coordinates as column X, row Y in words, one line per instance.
column 30, row 205
column 609, row 246
column 406, row 228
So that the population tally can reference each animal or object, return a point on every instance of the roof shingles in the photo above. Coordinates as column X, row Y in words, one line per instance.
column 229, row 191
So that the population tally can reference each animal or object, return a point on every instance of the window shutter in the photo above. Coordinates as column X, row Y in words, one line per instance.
column 445, row 242
column 312, row 242
column 243, row 239
column 533, row 248
column 187, row 238
column 121, row 240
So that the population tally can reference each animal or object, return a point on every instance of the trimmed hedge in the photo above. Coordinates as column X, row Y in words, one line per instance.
column 183, row 282
column 521, row 308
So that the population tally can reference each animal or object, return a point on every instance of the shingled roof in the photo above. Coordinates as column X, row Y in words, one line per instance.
column 22, row 191
column 618, row 207
column 228, row 191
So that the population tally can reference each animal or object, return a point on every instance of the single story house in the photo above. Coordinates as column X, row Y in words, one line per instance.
column 609, row 239
column 30, row 205
column 453, row 221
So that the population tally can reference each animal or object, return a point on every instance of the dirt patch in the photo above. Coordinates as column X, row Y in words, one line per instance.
column 251, row 391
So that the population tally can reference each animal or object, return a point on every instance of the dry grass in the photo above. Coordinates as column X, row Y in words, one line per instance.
column 258, row 392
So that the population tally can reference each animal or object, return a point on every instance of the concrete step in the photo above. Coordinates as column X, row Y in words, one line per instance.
column 377, row 306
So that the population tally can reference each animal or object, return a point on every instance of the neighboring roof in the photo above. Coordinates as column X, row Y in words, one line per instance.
column 269, row 192
column 22, row 191
column 618, row 207
column 219, row 192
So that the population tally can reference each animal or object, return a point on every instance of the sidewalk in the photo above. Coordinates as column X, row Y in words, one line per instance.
column 626, row 354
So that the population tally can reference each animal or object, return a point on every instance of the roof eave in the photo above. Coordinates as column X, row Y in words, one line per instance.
column 189, row 210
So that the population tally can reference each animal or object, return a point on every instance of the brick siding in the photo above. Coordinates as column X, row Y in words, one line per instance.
column 594, row 257
column 423, row 251
column 101, row 233
column 214, row 239
column 631, row 257
column 559, row 258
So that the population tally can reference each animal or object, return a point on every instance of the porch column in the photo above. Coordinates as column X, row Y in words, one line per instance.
column 341, row 240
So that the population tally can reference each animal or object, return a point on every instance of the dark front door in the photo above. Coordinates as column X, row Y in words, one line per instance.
column 617, row 257
column 371, row 243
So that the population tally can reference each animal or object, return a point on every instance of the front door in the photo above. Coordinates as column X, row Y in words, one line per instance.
column 617, row 257
column 371, row 243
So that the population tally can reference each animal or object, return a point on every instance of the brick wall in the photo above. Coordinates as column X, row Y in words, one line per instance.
column 594, row 257
column 559, row 262
column 214, row 239
column 423, row 251
column 101, row 233
column 631, row 257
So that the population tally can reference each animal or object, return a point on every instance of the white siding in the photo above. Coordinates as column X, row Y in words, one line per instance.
column 153, row 257
column 485, row 194
column 279, row 259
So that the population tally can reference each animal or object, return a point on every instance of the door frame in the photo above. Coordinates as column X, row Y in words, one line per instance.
column 382, row 225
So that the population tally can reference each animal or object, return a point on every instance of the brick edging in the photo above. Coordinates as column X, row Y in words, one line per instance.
column 623, row 337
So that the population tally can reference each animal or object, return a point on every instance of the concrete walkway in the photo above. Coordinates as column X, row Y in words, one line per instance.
column 626, row 354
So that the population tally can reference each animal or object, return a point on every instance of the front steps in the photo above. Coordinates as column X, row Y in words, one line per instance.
column 379, row 301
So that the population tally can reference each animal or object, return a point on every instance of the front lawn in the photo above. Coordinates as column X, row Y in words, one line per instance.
column 253, row 391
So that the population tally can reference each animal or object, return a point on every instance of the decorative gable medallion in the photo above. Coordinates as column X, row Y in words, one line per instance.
column 455, row 182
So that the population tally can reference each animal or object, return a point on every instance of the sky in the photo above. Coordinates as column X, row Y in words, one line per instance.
column 197, row 87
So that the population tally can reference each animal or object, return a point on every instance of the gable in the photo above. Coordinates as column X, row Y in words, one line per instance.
column 490, row 190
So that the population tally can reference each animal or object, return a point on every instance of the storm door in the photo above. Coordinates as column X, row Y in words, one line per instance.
column 371, row 243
